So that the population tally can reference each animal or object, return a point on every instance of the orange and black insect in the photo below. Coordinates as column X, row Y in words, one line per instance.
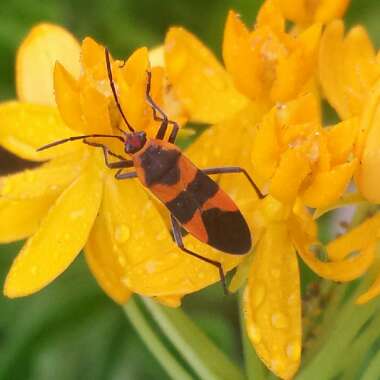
column 194, row 200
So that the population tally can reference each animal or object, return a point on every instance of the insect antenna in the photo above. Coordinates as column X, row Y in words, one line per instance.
column 112, row 84
column 73, row 138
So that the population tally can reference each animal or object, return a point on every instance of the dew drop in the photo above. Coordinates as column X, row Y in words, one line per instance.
column 122, row 233
column 33, row 270
column 279, row 320
column 292, row 299
column 258, row 295
column 293, row 351
column 151, row 266
column 121, row 260
column 76, row 214
column 161, row 236
column 126, row 281
column 201, row 275
column 254, row 333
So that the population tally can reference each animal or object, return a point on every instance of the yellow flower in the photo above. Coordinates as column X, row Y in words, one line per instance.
column 265, row 65
column 348, row 67
column 272, row 301
column 306, row 12
column 73, row 201
column 294, row 156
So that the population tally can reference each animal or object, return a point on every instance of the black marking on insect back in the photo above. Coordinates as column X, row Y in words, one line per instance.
column 227, row 231
column 198, row 191
column 160, row 165
column 202, row 187
column 183, row 206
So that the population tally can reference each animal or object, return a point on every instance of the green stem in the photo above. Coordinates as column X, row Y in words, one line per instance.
column 153, row 342
column 205, row 359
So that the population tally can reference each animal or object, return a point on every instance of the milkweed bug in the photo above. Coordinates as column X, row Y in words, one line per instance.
column 194, row 200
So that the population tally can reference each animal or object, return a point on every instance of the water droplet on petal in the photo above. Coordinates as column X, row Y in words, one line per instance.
column 292, row 299
column 254, row 333
column 121, row 260
column 75, row 214
column 151, row 266
column 279, row 320
column 258, row 294
column 122, row 233
column 293, row 351
column 33, row 270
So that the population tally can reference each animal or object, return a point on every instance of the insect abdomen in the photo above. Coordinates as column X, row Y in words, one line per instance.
column 196, row 201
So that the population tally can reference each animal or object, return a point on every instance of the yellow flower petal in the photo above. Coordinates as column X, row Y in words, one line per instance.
column 368, row 151
column 327, row 187
column 26, row 127
column 340, row 140
column 292, row 170
column 103, row 262
column 272, row 303
column 330, row 9
column 371, row 293
column 265, row 150
column 238, row 57
column 21, row 218
column 46, row 180
column 143, row 242
column 67, row 97
column 59, row 239
column 199, row 81
column 295, row 70
column 342, row 271
column 356, row 239
column 36, row 57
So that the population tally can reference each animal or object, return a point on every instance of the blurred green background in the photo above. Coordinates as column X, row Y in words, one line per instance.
column 71, row 330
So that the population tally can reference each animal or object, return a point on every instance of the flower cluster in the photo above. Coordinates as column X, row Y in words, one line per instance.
column 264, row 105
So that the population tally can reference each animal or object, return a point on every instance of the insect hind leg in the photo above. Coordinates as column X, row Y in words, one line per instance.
column 235, row 169
column 178, row 239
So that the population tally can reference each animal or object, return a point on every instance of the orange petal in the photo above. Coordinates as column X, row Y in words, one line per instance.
column 26, row 127
column 356, row 239
column 272, row 303
column 330, row 9
column 59, row 239
column 199, row 81
column 36, row 57
column 103, row 262
column 327, row 187
column 271, row 16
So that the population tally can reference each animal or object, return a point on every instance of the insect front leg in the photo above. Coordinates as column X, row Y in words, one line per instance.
column 235, row 169
column 123, row 163
column 163, row 118
column 120, row 175
column 178, row 239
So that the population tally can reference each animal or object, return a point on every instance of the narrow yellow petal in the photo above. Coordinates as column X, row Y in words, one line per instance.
column 36, row 57
column 21, row 218
column 327, row 187
column 143, row 242
column 371, row 293
column 330, row 59
column 330, row 9
column 199, row 81
column 272, row 303
column 67, row 97
column 102, row 260
column 26, row 127
column 59, row 239
column 270, row 16
column 48, row 179
column 340, row 139
column 355, row 240
column 292, row 170
column 342, row 271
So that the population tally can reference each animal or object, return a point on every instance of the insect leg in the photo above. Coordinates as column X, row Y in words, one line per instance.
column 129, row 175
column 163, row 118
column 123, row 163
column 234, row 169
column 178, row 239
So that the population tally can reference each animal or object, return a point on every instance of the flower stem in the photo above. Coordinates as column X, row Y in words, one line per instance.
column 204, row 358
column 154, row 343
